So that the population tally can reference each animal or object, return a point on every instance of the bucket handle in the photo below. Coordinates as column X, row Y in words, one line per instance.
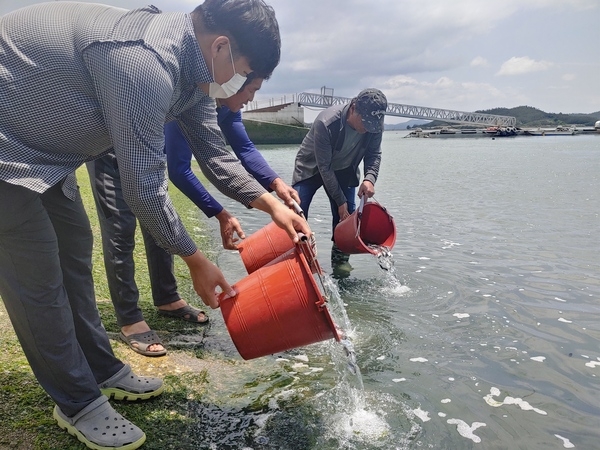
column 308, row 251
column 308, row 247
column 312, row 240
column 298, row 208
column 361, row 205
column 363, row 201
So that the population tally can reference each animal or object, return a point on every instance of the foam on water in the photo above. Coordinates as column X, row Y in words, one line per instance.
column 525, row 406
column 461, row 315
column 418, row 359
column 466, row 430
column 449, row 244
column 566, row 442
column 593, row 364
column 423, row 415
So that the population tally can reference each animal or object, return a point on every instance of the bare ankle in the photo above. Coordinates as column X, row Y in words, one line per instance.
column 134, row 328
column 174, row 305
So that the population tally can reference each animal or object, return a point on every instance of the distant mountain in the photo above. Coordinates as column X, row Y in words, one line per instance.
column 528, row 116
column 407, row 125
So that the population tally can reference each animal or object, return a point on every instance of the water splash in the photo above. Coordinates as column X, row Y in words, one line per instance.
column 350, row 421
column 354, row 418
column 355, row 426
column 385, row 260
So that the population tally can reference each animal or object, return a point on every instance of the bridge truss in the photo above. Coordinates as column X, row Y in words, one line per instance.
column 414, row 112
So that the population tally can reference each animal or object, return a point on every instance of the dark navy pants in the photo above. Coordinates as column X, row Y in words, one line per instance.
column 118, row 225
column 47, row 287
column 307, row 188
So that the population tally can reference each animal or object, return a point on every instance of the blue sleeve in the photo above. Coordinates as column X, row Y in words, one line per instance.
column 179, row 157
column 233, row 128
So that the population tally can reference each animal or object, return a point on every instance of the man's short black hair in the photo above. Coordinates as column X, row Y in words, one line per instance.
column 252, row 27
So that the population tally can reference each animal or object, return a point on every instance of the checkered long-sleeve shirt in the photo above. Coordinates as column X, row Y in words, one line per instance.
column 77, row 80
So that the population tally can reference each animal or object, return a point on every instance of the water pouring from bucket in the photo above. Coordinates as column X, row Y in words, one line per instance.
column 369, row 229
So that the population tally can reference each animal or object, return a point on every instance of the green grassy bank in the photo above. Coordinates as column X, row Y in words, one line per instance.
column 26, row 410
column 273, row 134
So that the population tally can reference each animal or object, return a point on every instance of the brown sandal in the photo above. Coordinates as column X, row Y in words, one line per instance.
column 187, row 313
column 139, row 342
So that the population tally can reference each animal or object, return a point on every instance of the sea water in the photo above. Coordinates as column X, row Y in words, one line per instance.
column 484, row 333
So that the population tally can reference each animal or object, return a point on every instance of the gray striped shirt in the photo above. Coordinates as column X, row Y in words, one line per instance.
column 79, row 79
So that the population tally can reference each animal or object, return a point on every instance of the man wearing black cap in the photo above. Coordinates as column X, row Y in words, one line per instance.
column 339, row 139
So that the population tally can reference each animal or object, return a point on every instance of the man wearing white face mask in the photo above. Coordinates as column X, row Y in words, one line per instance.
column 229, row 88
column 107, row 79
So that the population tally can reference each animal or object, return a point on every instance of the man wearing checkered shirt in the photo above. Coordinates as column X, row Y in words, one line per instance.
column 78, row 80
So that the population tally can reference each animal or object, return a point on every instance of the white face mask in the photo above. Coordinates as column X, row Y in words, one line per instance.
column 227, row 89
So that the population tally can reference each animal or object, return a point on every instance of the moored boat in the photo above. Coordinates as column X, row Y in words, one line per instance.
column 558, row 131
column 502, row 131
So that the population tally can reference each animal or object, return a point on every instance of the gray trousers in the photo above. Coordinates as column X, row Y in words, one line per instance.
column 118, row 224
column 47, row 287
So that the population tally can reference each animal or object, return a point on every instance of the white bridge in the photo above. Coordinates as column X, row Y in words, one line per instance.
column 414, row 112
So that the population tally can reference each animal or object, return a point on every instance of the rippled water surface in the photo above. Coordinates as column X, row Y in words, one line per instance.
column 484, row 334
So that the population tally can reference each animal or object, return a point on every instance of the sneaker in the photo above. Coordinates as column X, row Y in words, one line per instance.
column 100, row 427
column 126, row 385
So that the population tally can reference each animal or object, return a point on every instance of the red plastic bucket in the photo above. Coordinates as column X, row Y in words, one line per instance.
column 264, row 246
column 371, row 224
column 278, row 307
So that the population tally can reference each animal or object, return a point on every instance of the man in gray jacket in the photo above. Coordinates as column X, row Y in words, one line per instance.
column 339, row 139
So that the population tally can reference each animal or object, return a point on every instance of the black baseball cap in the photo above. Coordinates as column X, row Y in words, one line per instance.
column 371, row 104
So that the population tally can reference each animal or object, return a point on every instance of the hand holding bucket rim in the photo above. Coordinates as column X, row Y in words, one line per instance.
column 283, row 216
column 206, row 277
column 361, row 207
column 299, row 224
column 309, row 237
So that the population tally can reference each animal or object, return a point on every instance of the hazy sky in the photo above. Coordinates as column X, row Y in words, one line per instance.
column 463, row 54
